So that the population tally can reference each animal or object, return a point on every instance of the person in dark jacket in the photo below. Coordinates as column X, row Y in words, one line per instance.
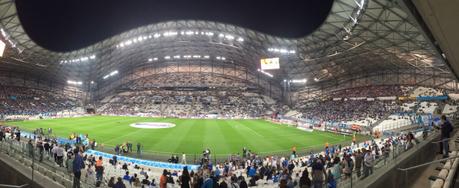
column 78, row 164
column 446, row 129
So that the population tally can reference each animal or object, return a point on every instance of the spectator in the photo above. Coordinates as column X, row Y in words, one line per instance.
column 78, row 164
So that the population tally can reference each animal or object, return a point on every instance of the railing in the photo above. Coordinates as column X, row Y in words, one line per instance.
column 37, row 161
column 195, row 158
column 42, row 161
column 383, row 162
column 13, row 186
column 428, row 163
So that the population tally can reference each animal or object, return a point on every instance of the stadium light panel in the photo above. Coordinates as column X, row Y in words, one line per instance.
column 265, row 73
column 229, row 37
column 300, row 81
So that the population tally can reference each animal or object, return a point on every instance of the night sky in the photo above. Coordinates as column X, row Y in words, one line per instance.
column 64, row 25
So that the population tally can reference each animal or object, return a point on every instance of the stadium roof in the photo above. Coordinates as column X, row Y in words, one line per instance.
column 358, row 37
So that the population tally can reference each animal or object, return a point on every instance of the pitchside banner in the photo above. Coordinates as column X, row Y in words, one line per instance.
column 269, row 63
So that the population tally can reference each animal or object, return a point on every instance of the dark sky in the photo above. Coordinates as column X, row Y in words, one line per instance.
column 65, row 25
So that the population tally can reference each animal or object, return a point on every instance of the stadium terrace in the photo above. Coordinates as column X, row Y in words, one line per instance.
column 360, row 101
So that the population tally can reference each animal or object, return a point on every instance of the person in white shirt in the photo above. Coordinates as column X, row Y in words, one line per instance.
column 183, row 158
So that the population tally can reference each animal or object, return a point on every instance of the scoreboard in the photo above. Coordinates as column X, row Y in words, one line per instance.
column 269, row 63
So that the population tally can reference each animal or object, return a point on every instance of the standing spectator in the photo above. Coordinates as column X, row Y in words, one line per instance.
column 183, row 158
column 163, row 179
column 358, row 162
column 60, row 155
column 78, row 164
column 368, row 161
column 305, row 182
column 185, row 178
column 318, row 173
column 331, row 183
column 30, row 148
column 119, row 183
column 40, row 149
column 138, row 148
column 99, row 169
column 446, row 130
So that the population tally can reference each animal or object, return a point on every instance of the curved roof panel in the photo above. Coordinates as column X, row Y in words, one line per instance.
column 357, row 37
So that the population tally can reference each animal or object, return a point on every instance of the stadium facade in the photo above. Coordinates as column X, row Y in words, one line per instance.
column 360, row 43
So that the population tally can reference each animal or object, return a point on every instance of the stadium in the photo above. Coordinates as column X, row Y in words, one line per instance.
column 208, row 96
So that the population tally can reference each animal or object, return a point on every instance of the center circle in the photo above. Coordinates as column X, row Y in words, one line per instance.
column 152, row 125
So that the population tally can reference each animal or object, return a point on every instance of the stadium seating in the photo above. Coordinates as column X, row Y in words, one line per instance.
column 28, row 101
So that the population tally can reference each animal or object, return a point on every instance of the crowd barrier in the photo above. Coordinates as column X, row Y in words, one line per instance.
column 154, row 164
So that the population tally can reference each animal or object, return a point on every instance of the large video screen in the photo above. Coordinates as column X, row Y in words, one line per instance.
column 269, row 63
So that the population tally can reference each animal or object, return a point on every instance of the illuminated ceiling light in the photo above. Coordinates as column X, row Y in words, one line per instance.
column 316, row 79
column 196, row 56
column 113, row 73
column 150, row 59
column 223, row 58
column 155, row 59
column 209, row 34
column 167, row 57
column 149, row 36
column 206, row 57
column 170, row 33
column 92, row 82
column 156, row 35
column 221, row 35
column 291, row 52
column 229, row 37
column 218, row 57
column 176, row 56
column 301, row 81
column 187, row 56
column 283, row 51
column 240, row 39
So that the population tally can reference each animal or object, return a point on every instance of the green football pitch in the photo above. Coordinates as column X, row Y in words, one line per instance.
column 191, row 136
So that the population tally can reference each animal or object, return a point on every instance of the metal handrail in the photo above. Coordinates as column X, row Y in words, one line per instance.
column 13, row 186
column 428, row 163
column 442, row 140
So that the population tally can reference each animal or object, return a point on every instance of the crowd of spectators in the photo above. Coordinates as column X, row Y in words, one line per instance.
column 349, row 110
column 334, row 165
column 187, row 80
column 222, row 103
column 369, row 91
column 28, row 101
